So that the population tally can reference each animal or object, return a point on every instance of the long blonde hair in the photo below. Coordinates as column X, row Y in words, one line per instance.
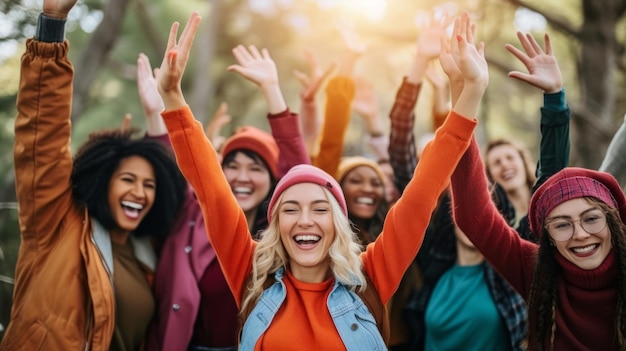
column 270, row 254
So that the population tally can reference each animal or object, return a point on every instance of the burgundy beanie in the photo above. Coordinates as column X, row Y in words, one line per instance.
column 571, row 183
column 307, row 174
column 260, row 142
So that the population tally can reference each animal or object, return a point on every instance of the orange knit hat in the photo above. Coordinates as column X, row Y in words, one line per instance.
column 256, row 140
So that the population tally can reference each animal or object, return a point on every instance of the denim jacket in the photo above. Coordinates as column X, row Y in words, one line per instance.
column 356, row 325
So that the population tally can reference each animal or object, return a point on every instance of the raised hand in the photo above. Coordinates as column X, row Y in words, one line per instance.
column 254, row 65
column 259, row 68
column 313, row 81
column 58, row 8
column 469, row 57
column 543, row 68
column 147, row 87
column 151, row 100
column 218, row 121
column 464, row 63
column 174, row 62
column 450, row 68
column 366, row 105
column 429, row 45
column 429, row 39
column 354, row 48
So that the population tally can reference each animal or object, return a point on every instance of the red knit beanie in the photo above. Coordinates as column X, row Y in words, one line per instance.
column 307, row 174
column 571, row 183
column 257, row 141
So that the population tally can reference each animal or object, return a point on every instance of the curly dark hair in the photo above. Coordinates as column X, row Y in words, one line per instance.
column 543, row 292
column 98, row 158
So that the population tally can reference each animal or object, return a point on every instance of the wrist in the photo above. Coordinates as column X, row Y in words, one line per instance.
column 274, row 98
column 418, row 70
column 49, row 29
column 555, row 101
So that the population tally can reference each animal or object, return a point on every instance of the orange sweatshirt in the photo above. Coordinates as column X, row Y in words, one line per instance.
column 337, row 113
column 303, row 318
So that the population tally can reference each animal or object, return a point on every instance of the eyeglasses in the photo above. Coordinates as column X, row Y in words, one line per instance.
column 562, row 229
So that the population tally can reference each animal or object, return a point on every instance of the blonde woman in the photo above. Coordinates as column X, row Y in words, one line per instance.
column 301, row 283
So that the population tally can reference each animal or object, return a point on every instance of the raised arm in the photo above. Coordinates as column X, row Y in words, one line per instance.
column 367, row 106
column 544, row 73
column 198, row 161
column 310, row 118
column 388, row 257
column 214, row 127
column 340, row 93
column 402, row 149
column 512, row 256
column 259, row 68
column 41, row 149
column 441, row 96
column 151, row 101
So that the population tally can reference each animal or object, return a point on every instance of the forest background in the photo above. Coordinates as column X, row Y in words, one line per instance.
column 588, row 36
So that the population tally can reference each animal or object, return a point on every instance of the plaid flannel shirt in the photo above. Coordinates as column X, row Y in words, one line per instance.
column 402, row 153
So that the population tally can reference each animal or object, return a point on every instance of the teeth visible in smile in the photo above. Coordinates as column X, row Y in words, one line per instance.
column 586, row 249
column 132, row 205
column 307, row 238
column 365, row 200
column 242, row 190
column 508, row 175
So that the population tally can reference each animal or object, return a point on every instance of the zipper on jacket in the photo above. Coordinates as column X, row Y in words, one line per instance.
column 106, row 268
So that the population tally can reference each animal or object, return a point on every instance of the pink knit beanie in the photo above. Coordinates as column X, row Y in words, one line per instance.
column 258, row 141
column 571, row 183
column 307, row 174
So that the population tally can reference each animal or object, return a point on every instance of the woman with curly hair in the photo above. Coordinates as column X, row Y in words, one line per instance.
column 87, row 224
column 309, row 254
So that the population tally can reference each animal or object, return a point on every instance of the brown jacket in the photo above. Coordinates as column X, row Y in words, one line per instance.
column 63, row 297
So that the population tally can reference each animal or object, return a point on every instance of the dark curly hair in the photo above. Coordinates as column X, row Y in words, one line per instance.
column 98, row 158
column 542, row 304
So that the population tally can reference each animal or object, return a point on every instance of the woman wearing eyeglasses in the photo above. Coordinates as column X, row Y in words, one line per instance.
column 574, row 278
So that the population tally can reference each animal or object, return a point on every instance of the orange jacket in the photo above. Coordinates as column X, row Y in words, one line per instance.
column 63, row 297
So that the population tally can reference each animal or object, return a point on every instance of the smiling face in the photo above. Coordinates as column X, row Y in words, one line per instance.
column 364, row 191
column 506, row 167
column 249, row 180
column 585, row 250
column 132, row 190
column 307, row 229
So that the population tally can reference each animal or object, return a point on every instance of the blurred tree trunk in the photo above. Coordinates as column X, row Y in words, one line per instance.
column 96, row 53
column 593, row 114
column 157, row 42
column 597, row 67
column 202, row 88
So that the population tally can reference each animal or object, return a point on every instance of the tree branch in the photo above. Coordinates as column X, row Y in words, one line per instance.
column 96, row 53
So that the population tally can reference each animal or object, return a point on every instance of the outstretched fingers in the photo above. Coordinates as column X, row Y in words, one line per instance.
column 548, row 44
column 241, row 54
column 189, row 32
